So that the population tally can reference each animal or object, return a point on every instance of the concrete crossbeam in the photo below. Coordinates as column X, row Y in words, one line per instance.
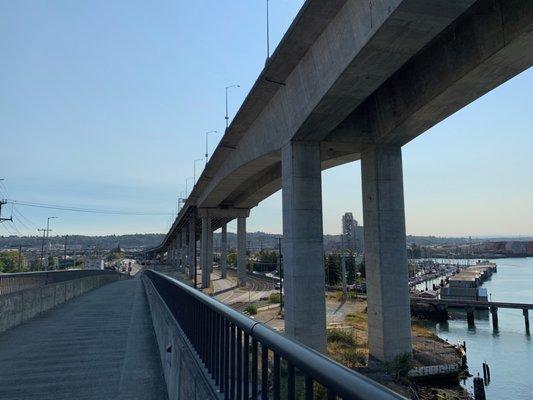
column 389, row 318
column 303, row 253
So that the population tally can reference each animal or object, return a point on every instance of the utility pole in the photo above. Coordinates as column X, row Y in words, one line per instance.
column 48, row 235
column 65, row 253
column 2, row 202
column 42, row 249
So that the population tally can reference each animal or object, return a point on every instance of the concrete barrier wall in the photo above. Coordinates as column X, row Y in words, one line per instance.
column 17, row 307
column 185, row 375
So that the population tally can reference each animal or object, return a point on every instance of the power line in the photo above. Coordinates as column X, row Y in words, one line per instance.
column 22, row 223
column 25, row 218
column 82, row 210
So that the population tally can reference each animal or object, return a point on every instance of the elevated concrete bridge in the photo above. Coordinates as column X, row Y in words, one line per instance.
column 351, row 80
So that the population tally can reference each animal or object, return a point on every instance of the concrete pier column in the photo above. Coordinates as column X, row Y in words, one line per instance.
column 494, row 313
column 303, row 252
column 192, row 247
column 224, row 249
column 206, row 253
column 241, row 250
column 183, row 257
column 177, row 251
column 209, row 251
column 389, row 315
column 525, row 312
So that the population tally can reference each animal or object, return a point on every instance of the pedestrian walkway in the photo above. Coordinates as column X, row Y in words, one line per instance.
column 100, row 345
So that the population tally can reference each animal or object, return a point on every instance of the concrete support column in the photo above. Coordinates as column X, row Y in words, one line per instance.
column 206, row 254
column 389, row 317
column 192, row 246
column 241, row 250
column 177, row 251
column 183, row 253
column 224, row 249
column 303, row 251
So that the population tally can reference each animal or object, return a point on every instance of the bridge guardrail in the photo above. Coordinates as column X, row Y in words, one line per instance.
column 235, row 349
column 11, row 283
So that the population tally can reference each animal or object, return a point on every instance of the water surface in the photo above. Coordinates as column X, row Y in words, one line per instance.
column 509, row 352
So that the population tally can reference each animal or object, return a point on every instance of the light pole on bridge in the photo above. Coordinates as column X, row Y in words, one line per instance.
column 206, row 144
column 227, row 117
column 187, row 186
column 195, row 161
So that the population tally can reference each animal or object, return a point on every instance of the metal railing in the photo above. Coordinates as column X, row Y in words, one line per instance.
column 10, row 283
column 248, row 360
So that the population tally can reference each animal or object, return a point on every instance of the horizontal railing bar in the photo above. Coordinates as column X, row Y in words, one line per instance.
column 343, row 381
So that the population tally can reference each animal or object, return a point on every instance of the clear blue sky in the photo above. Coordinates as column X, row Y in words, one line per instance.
column 104, row 104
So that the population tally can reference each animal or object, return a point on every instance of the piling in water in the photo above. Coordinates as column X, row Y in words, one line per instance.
column 470, row 316
column 479, row 389
column 494, row 313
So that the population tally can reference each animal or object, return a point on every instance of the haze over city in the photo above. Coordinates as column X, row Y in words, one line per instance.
column 113, row 118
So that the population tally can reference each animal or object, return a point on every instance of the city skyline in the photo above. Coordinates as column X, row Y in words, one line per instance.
column 114, row 119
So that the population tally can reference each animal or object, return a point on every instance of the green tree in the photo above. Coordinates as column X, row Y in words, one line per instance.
column 232, row 257
column 51, row 262
column 362, row 269
column 9, row 262
column 333, row 268
column 351, row 273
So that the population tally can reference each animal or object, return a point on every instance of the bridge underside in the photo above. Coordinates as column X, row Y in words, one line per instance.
column 488, row 45
column 352, row 80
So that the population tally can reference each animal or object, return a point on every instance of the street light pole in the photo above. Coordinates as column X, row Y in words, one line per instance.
column 206, row 144
column 48, row 232
column 187, row 186
column 194, row 176
column 227, row 117
column 65, row 253
column 268, row 33
column 42, row 249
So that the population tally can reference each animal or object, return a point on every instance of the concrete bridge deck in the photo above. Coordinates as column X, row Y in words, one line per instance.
column 100, row 345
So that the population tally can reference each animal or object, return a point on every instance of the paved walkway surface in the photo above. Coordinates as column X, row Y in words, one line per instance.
column 100, row 345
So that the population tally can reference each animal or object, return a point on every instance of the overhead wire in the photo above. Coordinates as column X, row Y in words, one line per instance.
column 29, row 221
column 81, row 209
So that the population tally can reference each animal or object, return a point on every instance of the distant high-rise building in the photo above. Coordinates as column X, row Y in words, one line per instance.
column 353, row 233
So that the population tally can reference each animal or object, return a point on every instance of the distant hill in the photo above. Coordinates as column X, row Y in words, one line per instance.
column 255, row 241
column 145, row 240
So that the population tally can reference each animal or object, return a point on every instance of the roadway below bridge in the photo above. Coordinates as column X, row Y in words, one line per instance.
column 227, row 290
column 100, row 345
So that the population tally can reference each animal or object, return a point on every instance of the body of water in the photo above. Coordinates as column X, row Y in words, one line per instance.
column 509, row 352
